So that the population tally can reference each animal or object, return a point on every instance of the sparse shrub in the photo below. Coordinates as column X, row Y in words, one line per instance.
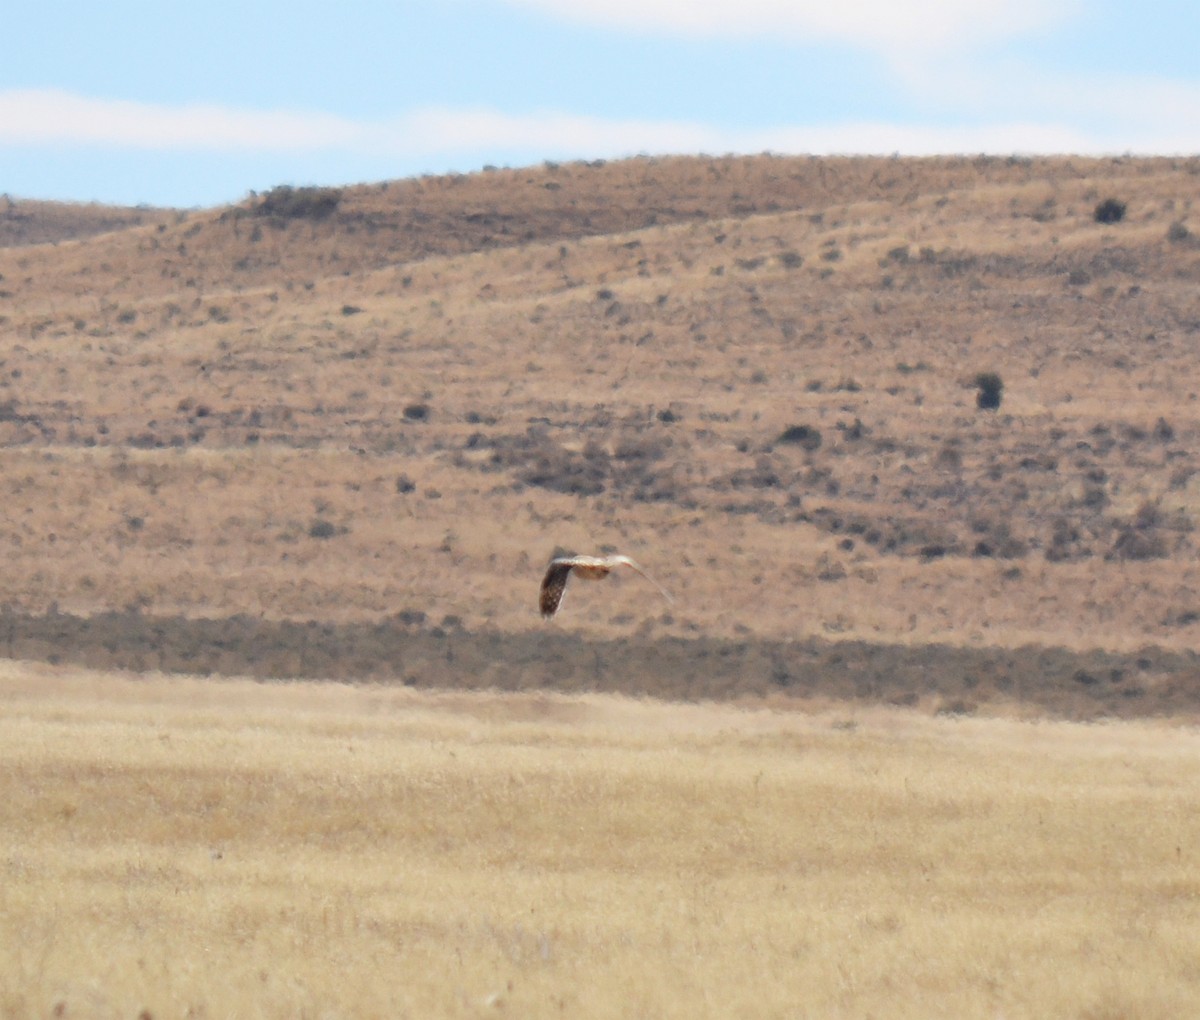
column 957, row 706
column 1046, row 213
column 1181, row 476
column 854, row 431
column 636, row 467
column 1111, row 210
column 990, row 387
column 1138, row 543
column 996, row 539
column 417, row 412
column 1066, row 543
column 1149, row 515
column 829, row 569
column 949, row 457
column 644, row 447
column 321, row 528
column 539, row 461
column 1094, row 497
column 405, row 485
column 808, row 437
column 582, row 474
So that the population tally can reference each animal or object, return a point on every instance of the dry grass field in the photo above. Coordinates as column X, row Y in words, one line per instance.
column 225, row 848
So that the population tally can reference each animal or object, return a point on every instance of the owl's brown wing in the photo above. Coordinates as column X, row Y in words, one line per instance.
column 553, row 586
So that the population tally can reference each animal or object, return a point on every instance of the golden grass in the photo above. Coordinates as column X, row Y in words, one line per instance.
column 226, row 848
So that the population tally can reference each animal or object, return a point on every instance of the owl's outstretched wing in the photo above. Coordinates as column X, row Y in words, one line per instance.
column 626, row 561
column 553, row 586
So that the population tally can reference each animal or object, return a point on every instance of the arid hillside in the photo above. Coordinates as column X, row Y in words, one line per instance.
column 380, row 409
column 27, row 223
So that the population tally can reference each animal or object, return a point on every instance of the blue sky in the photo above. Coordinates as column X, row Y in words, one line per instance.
column 141, row 101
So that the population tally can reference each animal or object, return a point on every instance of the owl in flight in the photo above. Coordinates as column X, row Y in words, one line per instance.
column 591, row 568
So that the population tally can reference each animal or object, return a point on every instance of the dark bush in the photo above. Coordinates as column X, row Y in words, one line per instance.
column 1067, row 543
column 949, row 457
column 996, row 538
column 990, row 387
column 807, row 437
column 538, row 460
column 1178, row 233
column 321, row 528
column 288, row 203
column 1111, row 210
column 1134, row 543
column 417, row 412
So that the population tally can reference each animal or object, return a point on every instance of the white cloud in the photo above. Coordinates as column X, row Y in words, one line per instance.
column 1117, row 117
column 53, row 117
column 921, row 140
column 889, row 26
column 49, row 116
column 1110, row 112
column 562, row 136
column 436, row 130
